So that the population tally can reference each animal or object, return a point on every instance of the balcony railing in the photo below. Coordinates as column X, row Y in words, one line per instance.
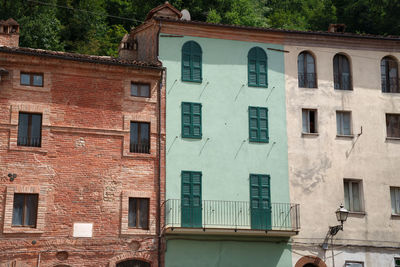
column 390, row 85
column 139, row 148
column 26, row 141
column 307, row 80
column 342, row 81
column 232, row 215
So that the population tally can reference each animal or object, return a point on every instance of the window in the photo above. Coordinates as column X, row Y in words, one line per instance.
column 31, row 79
column 354, row 264
column 29, row 129
column 343, row 122
column 341, row 73
column 257, row 67
column 395, row 200
column 306, row 70
column 25, row 210
column 393, row 125
column 138, row 216
column 352, row 195
column 309, row 121
column 191, row 120
column 191, row 62
column 258, row 124
column 140, row 137
column 396, row 262
column 140, row 89
column 389, row 75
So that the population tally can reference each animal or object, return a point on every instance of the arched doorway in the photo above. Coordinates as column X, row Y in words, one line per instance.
column 310, row 261
column 133, row 263
column 310, row 265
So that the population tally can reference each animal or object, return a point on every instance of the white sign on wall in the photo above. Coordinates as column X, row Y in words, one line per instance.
column 83, row 230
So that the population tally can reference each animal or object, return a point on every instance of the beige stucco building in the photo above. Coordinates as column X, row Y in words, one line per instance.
column 344, row 147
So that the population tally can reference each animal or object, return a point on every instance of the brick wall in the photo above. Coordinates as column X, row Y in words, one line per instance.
column 83, row 172
column 7, row 39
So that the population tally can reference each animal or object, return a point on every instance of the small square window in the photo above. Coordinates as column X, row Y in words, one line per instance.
column 138, row 216
column 343, row 122
column 140, row 89
column 354, row 264
column 29, row 129
column 396, row 262
column 353, row 195
column 393, row 125
column 140, row 137
column 395, row 200
column 25, row 210
column 309, row 121
column 31, row 79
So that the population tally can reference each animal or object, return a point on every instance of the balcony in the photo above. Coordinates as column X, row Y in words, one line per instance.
column 139, row 148
column 232, row 217
column 342, row 81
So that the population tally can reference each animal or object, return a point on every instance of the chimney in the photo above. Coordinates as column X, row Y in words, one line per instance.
column 338, row 28
column 9, row 33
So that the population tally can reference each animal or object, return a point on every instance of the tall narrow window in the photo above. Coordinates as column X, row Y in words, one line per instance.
column 341, row 73
column 257, row 67
column 309, row 117
column 25, row 210
column 343, row 122
column 395, row 199
column 140, row 137
column 393, row 125
column 191, row 62
column 353, row 195
column 29, row 129
column 191, row 120
column 390, row 75
column 138, row 216
column 306, row 70
column 258, row 124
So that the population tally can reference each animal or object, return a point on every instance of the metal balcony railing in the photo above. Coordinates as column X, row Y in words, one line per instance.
column 390, row 85
column 26, row 141
column 307, row 80
column 139, row 148
column 232, row 215
column 342, row 81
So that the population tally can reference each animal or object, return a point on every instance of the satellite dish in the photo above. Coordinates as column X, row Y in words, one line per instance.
column 185, row 14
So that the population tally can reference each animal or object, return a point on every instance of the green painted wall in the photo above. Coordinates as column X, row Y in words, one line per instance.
column 227, row 253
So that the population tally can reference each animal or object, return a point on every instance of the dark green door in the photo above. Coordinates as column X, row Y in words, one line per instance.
column 260, row 201
column 191, row 199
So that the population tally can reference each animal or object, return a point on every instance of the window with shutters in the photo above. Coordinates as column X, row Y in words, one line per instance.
column 309, row 117
column 389, row 75
column 191, row 199
column 353, row 195
column 191, row 120
column 393, row 125
column 25, row 210
column 29, row 129
column 138, row 216
column 343, row 123
column 191, row 62
column 395, row 200
column 342, row 73
column 258, row 124
column 257, row 67
column 306, row 70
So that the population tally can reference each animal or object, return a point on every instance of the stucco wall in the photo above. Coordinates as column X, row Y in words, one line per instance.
column 318, row 164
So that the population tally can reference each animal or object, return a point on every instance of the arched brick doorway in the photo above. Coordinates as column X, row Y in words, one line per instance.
column 310, row 261
column 133, row 263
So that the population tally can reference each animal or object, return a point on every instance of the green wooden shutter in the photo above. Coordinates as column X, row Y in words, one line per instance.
column 260, row 202
column 191, row 120
column 257, row 67
column 258, row 124
column 191, row 204
column 252, row 67
column 191, row 62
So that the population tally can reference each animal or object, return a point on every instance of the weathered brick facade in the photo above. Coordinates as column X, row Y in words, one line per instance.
column 83, row 171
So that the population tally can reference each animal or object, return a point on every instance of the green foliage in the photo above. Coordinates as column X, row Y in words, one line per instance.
column 97, row 26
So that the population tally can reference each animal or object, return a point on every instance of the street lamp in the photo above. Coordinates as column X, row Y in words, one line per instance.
column 341, row 216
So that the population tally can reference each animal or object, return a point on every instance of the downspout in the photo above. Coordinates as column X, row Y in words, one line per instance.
column 158, row 232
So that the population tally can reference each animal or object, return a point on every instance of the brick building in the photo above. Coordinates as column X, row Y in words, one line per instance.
column 81, row 156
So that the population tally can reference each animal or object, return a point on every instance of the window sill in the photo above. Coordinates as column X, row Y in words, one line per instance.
column 190, row 81
column 192, row 137
column 310, row 134
column 259, row 141
column 359, row 213
column 393, row 138
column 22, row 230
column 343, row 90
column 308, row 87
column 395, row 216
column 391, row 93
column 141, row 99
column 139, row 155
column 257, row 86
column 28, row 149
column 351, row 136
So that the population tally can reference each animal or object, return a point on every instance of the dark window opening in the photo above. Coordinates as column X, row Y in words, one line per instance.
column 25, row 210
column 306, row 70
column 29, row 130
column 309, row 121
column 133, row 263
column 140, row 137
column 393, row 125
column 140, row 89
column 389, row 75
column 341, row 72
column 31, row 79
column 138, row 216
